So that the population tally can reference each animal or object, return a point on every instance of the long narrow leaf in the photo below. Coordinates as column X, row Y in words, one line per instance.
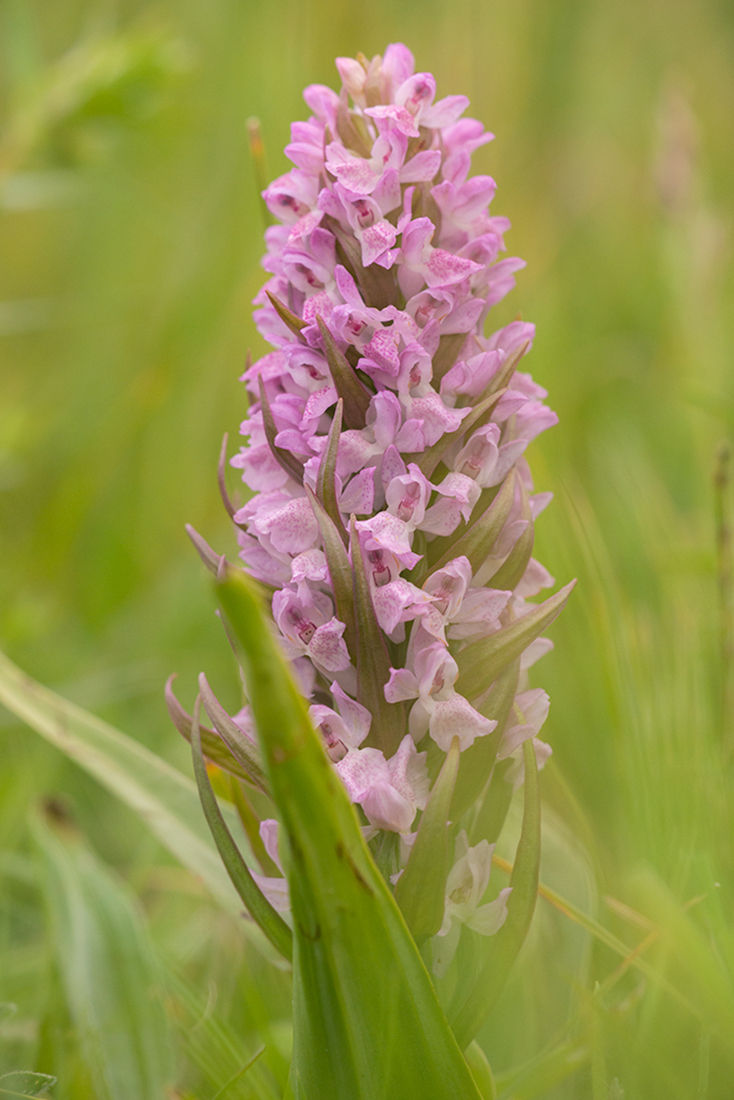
column 215, row 749
column 340, row 572
column 368, row 1024
column 513, row 567
column 481, row 662
column 24, row 1082
column 287, row 316
column 355, row 397
column 373, row 661
column 222, row 479
column 421, row 889
column 241, row 748
column 478, row 760
column 326, row 480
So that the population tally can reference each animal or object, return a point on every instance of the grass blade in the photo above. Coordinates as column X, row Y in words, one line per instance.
column 164, row 798
column 109, row 970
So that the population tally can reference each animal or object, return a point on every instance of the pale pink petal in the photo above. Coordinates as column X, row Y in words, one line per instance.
column 275, row 890
column 387, row 532
column 397, row 602
column 333, row 730
column 448, row 586
column 362, row 769
column 358, row 719
column 416, row 93
column 356, row 174
column 409, row 772
column 445, row 112
column 401, row 685
column 292, row 528
column 455, row 717
column 489, row 918
column 400, row 118
column 359, row 496
column 353, row 75
column 376, row 239
column 327, row 647
column 442, row 268
column 388, row 809
column 422, row 167
column 397, row 65
column 270, row 834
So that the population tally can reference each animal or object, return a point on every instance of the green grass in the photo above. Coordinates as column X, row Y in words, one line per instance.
column 131, row 233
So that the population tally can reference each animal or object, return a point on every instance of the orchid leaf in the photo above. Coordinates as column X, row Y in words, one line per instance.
column 340, row 572
column 222, row 482
column 477, row 541
column 215, row 749
column 481, row 1070
column 287, row 316
column 495, row 804
column 513, row 567
column 210, row 558
column 482, row 662
column 468, row 1012
column 478, row 760
column 355, row 397
column 164, row 798
column 373, row 661
column 379, row 287
column 242, row 749
column 24, row 1082
column 421, row 889
column 257, row 904
column 367, row 1020
column 448, row 349
column 326, row 481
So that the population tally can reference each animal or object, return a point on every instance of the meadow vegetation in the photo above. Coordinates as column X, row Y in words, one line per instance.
column 131, row 237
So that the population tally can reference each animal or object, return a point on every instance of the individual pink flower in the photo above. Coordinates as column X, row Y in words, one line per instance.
column 389, row 791
column 465, row 887
column 309, row 628
column 439, row 709
column 344, row 728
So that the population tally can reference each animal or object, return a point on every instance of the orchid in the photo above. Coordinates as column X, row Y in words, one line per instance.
column 384, row 269
column 391, row 520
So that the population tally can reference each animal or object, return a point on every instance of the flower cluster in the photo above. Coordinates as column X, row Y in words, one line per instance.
column 393, row 508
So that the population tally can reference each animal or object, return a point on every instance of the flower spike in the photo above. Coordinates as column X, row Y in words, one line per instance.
column 391, row 512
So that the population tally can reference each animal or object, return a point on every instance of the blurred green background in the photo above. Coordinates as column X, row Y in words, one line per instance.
column 130, row 236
